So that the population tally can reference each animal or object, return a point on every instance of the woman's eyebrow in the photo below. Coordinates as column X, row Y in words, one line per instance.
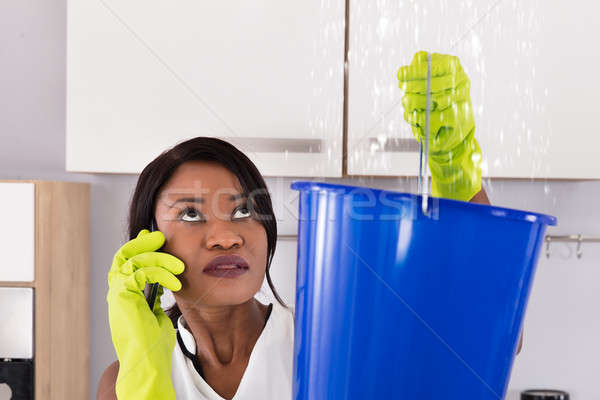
column 187, row 200
column 200, row 200
column 237, row 196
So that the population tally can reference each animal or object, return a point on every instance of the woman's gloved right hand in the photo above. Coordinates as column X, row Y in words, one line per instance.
column 454, row 153
column 143, row 339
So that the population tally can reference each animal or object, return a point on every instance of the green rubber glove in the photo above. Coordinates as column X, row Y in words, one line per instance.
column 144, row 339
column 454, row 154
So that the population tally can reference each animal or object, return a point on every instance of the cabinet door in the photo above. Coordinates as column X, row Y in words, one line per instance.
column 17, row 233
column 16, row 328
column 266, row 76
column 533, row 83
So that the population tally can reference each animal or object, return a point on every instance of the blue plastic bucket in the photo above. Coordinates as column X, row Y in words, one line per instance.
column 395, row 304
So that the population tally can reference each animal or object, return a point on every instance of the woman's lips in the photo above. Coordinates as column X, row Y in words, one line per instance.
column 226, row 266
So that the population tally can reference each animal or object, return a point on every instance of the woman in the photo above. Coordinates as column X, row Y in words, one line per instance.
column 210, row 203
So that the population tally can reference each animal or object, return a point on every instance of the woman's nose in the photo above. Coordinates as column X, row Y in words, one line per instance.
column 223, row 238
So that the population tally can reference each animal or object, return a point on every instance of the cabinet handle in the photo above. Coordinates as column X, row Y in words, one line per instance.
column 394, row 145
column 287, row 237
column 276, row 145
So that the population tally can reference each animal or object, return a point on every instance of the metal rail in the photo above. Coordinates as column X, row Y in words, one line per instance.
column 579, row 239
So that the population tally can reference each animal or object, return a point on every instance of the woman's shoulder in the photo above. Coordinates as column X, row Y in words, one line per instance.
column 286, row 311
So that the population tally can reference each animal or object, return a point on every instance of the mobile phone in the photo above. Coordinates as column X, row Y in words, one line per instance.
column 151, row 290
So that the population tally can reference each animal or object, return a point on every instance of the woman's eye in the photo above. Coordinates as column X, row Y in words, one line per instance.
column 242, row 212
column 192, row 213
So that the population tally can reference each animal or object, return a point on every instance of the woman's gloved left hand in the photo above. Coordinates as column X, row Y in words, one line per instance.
column 454, row 154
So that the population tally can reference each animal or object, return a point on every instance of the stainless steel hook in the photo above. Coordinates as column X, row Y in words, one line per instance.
column 579, row 250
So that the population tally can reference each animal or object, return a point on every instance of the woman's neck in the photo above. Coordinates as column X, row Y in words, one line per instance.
column 225, row 335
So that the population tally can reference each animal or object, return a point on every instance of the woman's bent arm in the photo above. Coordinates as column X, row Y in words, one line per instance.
column 106, row 386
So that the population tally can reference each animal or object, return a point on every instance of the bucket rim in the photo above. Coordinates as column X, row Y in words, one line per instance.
column 494, row 211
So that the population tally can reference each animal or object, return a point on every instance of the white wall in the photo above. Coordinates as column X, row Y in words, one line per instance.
column 562, row 324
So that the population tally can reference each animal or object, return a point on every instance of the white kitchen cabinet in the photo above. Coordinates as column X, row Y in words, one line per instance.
column 16, row 330
column 267, row 76
column 533, row 83
column 17, row 232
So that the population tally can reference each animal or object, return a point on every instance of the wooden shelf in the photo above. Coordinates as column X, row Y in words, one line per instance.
column 17, row 284
column 61, row 289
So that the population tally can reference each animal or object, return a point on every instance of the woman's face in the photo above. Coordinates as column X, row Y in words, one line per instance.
column 202, row 214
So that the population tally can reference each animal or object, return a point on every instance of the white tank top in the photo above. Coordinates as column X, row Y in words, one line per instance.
column 268, row 375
